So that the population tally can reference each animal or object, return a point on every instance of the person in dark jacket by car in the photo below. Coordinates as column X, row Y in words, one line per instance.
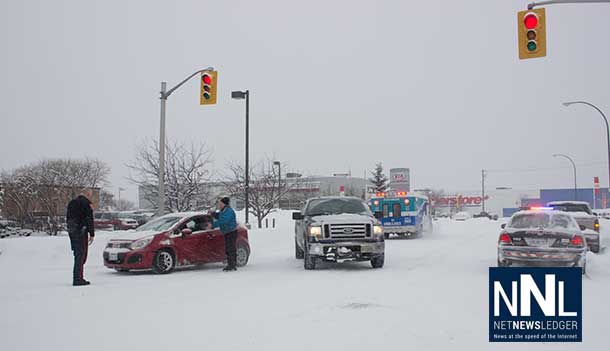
column 79, row 219
column 226, row 222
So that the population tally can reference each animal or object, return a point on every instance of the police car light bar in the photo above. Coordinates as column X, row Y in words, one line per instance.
column 540, row 208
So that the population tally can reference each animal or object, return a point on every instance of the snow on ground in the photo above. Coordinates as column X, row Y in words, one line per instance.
column 431, row 295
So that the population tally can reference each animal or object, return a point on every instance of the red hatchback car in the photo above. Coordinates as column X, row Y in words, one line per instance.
column 170, row 241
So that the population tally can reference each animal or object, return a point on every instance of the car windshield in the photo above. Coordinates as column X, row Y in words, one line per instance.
column 320, row 207
column 542, row 220
column 160, row 224
column 572, row 208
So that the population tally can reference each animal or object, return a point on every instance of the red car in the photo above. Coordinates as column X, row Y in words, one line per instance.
column 113, row 221
column 173, row 240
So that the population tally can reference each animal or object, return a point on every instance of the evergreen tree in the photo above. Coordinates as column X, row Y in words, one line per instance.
column 379, row 180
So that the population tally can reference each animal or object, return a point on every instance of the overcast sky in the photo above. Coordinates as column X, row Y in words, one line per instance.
column 335, row 85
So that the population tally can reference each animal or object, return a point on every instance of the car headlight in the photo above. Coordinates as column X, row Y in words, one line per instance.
column 140, row 244
column 315, row 231
column 377, row 230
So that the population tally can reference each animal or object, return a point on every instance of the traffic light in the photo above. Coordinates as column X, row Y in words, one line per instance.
column 531, row 26
column 209, row 80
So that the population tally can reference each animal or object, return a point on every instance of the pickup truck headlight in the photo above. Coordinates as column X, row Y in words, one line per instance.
column 315, row 231
column 140, row 244
column 377, row 230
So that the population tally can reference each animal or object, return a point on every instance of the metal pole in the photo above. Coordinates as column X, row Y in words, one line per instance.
column 607, row 127
column 247, row 185
column 574, row 168
column 551, row 2
column 161, row 185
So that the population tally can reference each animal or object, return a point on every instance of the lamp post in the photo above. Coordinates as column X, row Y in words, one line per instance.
column 119, row 203
column 240, row 95
column 574, row 167
column 279, row 181
column 607, row 127
column 164, row 95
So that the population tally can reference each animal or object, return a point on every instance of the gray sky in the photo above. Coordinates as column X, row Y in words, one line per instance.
column 336, row 85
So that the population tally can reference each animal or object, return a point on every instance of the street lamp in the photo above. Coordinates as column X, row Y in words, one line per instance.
column 279, row 181
column 607, row 127
column 240, row 95
column 574, row 167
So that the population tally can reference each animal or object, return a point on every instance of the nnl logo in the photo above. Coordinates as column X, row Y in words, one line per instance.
column 535, row 304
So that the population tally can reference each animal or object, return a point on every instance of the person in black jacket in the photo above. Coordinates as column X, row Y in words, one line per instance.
column 80, row 229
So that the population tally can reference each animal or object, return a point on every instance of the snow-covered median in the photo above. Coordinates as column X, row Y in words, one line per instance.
column 431, row 295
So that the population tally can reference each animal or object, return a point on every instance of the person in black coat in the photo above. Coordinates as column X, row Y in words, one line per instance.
column 79, row 219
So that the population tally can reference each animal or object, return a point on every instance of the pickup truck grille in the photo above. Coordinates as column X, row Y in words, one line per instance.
column 347, row 231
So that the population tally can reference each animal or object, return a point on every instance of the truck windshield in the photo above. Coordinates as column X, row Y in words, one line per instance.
column 319, row 207
column 572, row 208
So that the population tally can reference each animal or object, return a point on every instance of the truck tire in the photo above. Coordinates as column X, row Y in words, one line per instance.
column 309, row 262
column 378, row 261
column 298, row 252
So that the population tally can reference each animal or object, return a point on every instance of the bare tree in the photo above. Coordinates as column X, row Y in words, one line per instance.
column 265, row 189
column 124, row 205
column 188, row 169
column 48, row 185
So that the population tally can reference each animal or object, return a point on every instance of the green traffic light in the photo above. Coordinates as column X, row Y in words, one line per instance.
column 206, row 96
column 531, row 46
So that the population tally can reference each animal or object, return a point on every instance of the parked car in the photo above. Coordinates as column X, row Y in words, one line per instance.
column 462, row 216
column 581, row 211
column 543, row 237
column 484, row 214
column 170, row 241
column 141, row 218
column 113, row 221
column 337, row 229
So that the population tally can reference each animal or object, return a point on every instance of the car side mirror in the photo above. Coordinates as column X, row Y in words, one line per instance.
column 297, row 216
column 186, row 232
column 582, row 227
column 503, row 225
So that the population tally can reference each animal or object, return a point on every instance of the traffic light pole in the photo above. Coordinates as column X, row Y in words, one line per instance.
column 551, row 2
column 164, row 95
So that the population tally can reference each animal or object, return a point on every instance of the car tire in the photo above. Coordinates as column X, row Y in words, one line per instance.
column 595, row 249
column 298, row 252
column 386, row 235
column 502, row 264
column 378, row 261
column 243, row 254
column 164, row 262
column 309, row 262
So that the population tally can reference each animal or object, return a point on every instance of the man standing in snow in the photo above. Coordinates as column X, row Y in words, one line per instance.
column 225, row 220
column 80, row 228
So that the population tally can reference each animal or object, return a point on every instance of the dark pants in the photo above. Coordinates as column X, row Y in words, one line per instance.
column 80, row 247
column 230, row 248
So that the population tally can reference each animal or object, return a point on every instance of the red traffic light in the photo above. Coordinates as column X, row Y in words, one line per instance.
column 206, row 79
column 530, row 20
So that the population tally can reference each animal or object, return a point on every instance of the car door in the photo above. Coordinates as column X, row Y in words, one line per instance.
column 192, row 248
column 215, row 245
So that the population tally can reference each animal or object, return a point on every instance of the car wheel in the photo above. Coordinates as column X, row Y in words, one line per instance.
column 309, row 262
column 242, row 255
column 386, row 235
column 595, row 249
column 378, row 261
column 163, row 262
column 298, row 252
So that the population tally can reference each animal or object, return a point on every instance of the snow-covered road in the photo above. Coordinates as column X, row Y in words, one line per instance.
column 431, row 295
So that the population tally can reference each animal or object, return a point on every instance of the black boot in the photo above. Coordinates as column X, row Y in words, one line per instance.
column 80, row 282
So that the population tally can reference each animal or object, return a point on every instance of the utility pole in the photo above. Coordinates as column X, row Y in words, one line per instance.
column 164, row 95
column 246, row 95
column 483, row 190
